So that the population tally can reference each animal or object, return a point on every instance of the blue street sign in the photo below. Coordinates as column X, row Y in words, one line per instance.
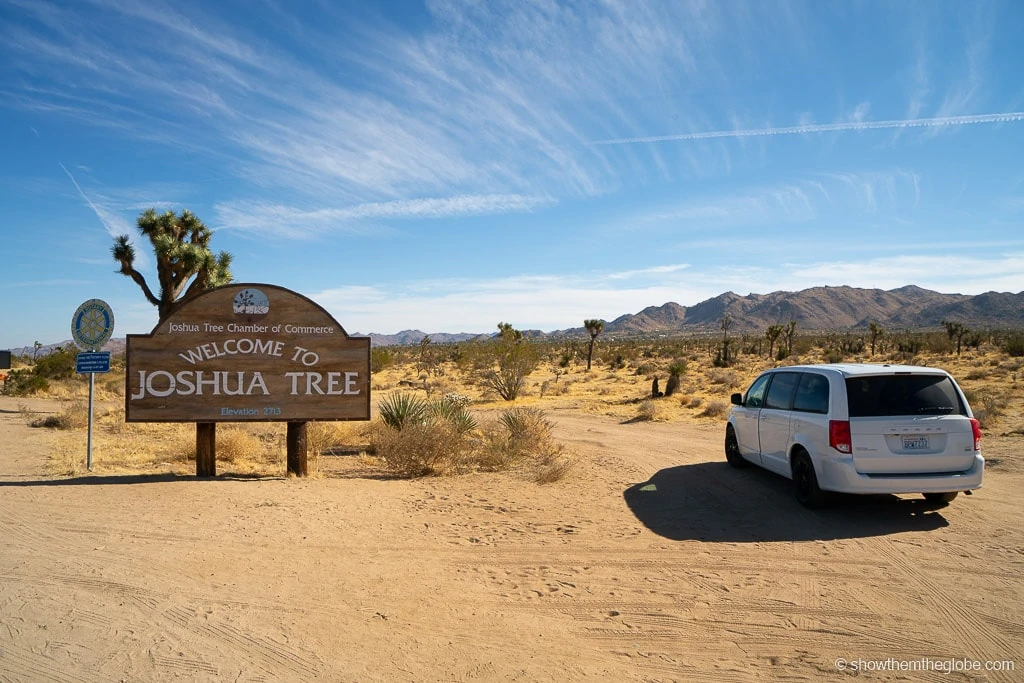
column 95, row 361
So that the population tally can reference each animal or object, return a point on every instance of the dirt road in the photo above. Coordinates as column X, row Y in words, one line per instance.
column 652, row 561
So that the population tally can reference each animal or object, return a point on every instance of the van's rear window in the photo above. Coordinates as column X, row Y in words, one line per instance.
column 883, row 395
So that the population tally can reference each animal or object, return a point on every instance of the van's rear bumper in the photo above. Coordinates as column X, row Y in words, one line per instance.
column 839, row 474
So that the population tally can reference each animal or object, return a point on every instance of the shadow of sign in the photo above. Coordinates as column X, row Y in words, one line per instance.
column 133, row 479
column 716, row 503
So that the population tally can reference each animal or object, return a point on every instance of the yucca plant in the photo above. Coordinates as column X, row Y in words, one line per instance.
column 403, row 408
column 454, row 414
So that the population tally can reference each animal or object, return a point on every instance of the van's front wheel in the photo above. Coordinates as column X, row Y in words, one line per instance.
column 805, row 481
column 732, row 449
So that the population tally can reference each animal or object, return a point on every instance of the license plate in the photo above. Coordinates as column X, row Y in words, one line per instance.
column 915, row 443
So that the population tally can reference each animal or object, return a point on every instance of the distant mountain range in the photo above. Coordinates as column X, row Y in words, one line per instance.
column 827, row 308
column 817, row 308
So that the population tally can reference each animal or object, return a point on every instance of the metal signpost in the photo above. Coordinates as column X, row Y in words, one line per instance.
column 91, row 327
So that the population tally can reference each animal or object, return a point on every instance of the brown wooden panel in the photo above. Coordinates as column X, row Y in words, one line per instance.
column 247, row 353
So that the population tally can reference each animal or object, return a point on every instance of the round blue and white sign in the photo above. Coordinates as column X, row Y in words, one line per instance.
column 92, row 324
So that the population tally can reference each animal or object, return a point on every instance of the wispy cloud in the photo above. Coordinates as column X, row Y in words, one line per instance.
column 654, row 270
column 1005, row 117
column 286, row 221
column 114, row 224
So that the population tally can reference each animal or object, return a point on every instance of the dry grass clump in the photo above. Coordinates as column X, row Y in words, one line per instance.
column 724, row 377
column 521, row 438
column 715, row 409
column 237, row 445
column 440, row 444
column 421, row 449
column 652, row 411
column 987, row 406
column 73, row 415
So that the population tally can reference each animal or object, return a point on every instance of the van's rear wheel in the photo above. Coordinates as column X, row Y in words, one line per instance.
column 941, row 497
column 805, row 481
column 732, row 449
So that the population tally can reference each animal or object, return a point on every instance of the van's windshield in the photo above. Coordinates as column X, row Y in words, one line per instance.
column 883, row 395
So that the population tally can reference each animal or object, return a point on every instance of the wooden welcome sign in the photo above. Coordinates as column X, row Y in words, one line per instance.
column 247, row 353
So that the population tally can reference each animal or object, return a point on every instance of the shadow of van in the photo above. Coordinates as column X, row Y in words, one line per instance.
column 715, row 503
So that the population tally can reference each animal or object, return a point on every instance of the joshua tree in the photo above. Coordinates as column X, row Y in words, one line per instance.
column 957, row 330
column 773, row 333
column 185, row 266
column 876, row 332
column 725, row 323
column 790, row 332
column 594, row 327
column 514, row 357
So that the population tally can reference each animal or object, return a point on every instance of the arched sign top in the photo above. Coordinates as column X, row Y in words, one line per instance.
column 257, row 304
column 247, row 352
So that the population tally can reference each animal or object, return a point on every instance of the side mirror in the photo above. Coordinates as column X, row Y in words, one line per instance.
column 737, row 399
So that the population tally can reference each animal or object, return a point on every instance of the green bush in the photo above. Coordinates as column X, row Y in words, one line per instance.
column 380, row 358
column 515, row 359
column 24, row 382
column 57, row 365
column 1013, row 345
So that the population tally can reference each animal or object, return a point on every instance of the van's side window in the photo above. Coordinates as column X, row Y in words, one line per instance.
column 780, row 393
column 755, row 395
column 812, row 394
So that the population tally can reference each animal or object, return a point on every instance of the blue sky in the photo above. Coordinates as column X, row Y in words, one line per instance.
column 448, row 165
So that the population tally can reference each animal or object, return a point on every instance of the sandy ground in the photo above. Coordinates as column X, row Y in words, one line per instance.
column 652, row 560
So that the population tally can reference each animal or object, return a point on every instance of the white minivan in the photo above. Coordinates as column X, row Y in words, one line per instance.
column 858, row 428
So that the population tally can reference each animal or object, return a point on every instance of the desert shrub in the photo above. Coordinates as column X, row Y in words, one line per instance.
column 987, row 406
column 237, row 444
column 553, row 469
column 833, row 356
column 977, row 373
column 714, row 409
column 651, row 411
column 422, row 449
column 401, row 409
column 1013, row 345
column 115, row 387
column 617, row 363
column 510, row 359
column 57, row 365
column 522, row 438
column 24, row 382
column 723, row 377
column 380, row 358
column 695, row 402
column 644, row 369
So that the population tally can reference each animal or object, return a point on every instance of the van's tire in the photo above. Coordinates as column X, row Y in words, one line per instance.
column 941, row 497
column 732, row 450
column 805, row 482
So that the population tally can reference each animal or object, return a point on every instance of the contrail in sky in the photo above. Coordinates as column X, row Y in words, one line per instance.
column 823, row 128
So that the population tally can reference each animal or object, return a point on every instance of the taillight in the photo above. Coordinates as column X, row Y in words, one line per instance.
column 839, row 436
column 976, row 428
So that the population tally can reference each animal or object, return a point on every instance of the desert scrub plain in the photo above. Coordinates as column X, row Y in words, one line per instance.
column 593, row 533
column 485, row 432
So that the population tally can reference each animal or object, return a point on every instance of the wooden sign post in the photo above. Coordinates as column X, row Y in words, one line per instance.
column 247, row 353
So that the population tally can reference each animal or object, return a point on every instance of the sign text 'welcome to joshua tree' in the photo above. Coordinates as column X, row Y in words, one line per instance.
column 247, row 353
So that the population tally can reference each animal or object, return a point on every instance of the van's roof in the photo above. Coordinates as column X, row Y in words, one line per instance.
column 853, row 369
